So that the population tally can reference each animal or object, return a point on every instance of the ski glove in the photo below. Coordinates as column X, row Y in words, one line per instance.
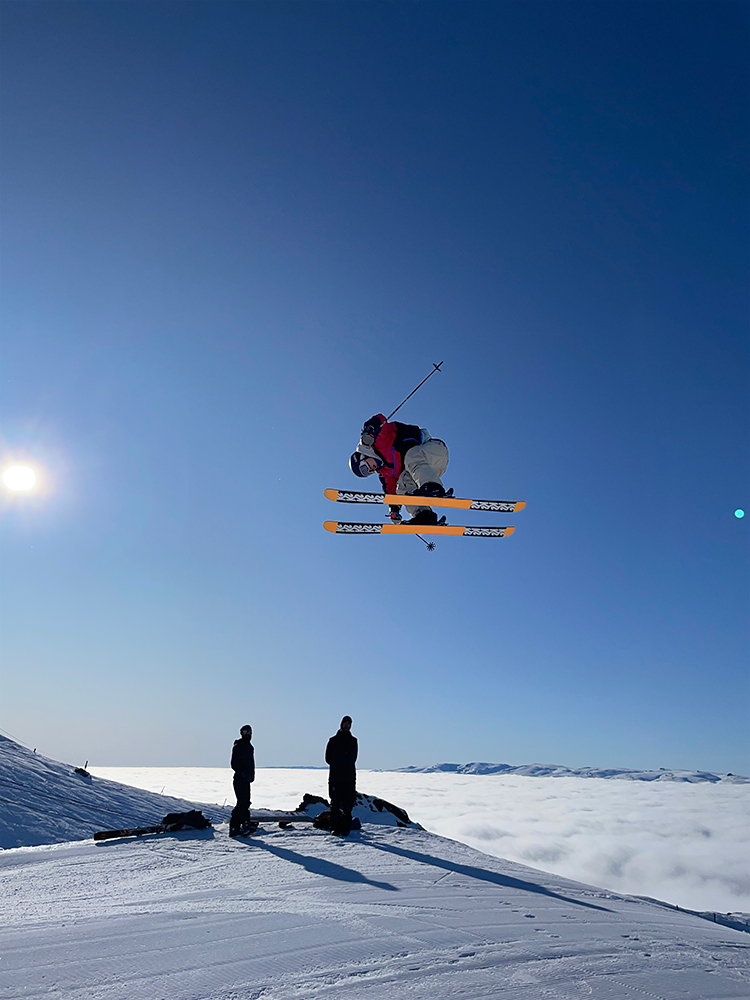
column 371, row 430
column 394, row 512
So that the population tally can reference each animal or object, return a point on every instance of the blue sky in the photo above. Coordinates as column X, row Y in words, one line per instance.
column 232, row 232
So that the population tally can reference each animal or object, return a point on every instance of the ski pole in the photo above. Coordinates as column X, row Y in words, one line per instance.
column 430, row 545
column 435, row 368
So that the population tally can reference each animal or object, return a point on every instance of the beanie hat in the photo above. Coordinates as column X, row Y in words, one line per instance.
column 365, row 449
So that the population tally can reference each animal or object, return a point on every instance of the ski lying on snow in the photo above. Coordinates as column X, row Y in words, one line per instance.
column 281, row 817
column 133, row 831
column 172, row 823
column 357, row 528
column 284, row 819
column 354, row 496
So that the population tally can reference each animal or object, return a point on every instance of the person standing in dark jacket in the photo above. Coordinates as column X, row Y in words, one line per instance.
column 341, row 756
column 243, row 765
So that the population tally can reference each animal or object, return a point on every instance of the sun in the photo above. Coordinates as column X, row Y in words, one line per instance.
column 19, row 478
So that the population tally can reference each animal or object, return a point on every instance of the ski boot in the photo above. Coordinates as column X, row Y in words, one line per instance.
column 424, row 517
column 427, row 516
column 429, row 490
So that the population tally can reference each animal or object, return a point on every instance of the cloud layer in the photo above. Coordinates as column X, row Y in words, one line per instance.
column 683, row 843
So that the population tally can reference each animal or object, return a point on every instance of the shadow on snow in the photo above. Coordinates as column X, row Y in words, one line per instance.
column 320, row 867
column 470, row 871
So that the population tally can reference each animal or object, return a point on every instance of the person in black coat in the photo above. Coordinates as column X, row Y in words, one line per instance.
column 341, row 756
column 243, row 765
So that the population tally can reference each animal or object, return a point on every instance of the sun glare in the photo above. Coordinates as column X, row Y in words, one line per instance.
column 19, row 478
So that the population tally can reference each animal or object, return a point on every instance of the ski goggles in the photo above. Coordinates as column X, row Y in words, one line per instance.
column 364, row 468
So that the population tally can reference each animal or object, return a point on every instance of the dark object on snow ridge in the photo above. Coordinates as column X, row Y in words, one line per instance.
column 172, row 823
column 369, row 802
column 245, row 830
column 323, row 822
column 193, row 820
column 311, row 800
column 381, row 805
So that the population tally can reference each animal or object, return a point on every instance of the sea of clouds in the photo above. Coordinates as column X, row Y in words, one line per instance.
column 682, row 842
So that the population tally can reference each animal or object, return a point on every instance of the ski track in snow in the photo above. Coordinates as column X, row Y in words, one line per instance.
column 298, row 914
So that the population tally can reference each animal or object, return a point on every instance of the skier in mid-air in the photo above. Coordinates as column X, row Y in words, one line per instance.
column 407, row 459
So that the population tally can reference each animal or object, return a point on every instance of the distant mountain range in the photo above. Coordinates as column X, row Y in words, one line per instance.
column 558, row 771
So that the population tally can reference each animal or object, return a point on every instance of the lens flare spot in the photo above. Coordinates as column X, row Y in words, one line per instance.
column 19, row 478
column 739, row 512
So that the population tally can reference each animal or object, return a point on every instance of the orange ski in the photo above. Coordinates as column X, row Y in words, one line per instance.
column 356, row 496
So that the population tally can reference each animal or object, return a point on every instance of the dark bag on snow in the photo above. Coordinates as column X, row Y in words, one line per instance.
column 323, row 820
column 193, row 820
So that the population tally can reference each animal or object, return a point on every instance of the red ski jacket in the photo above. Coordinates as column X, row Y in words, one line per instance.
column 392, row 442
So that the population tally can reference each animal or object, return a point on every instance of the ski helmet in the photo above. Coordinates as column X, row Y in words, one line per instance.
column 357, row 462
column 359, row 466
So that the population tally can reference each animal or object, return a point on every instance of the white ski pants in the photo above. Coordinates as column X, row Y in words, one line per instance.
column 425, row 463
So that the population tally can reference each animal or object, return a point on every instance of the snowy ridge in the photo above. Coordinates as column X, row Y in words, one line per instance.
column 43, row 801
column 558, row 771
column 367, row 809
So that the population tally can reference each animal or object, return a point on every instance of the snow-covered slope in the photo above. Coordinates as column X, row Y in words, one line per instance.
column 389, row 913
column 43, row 801
column 558, row 771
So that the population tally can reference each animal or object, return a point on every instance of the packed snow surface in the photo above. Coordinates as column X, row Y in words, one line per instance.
column 684, row 842
column 390, row 912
